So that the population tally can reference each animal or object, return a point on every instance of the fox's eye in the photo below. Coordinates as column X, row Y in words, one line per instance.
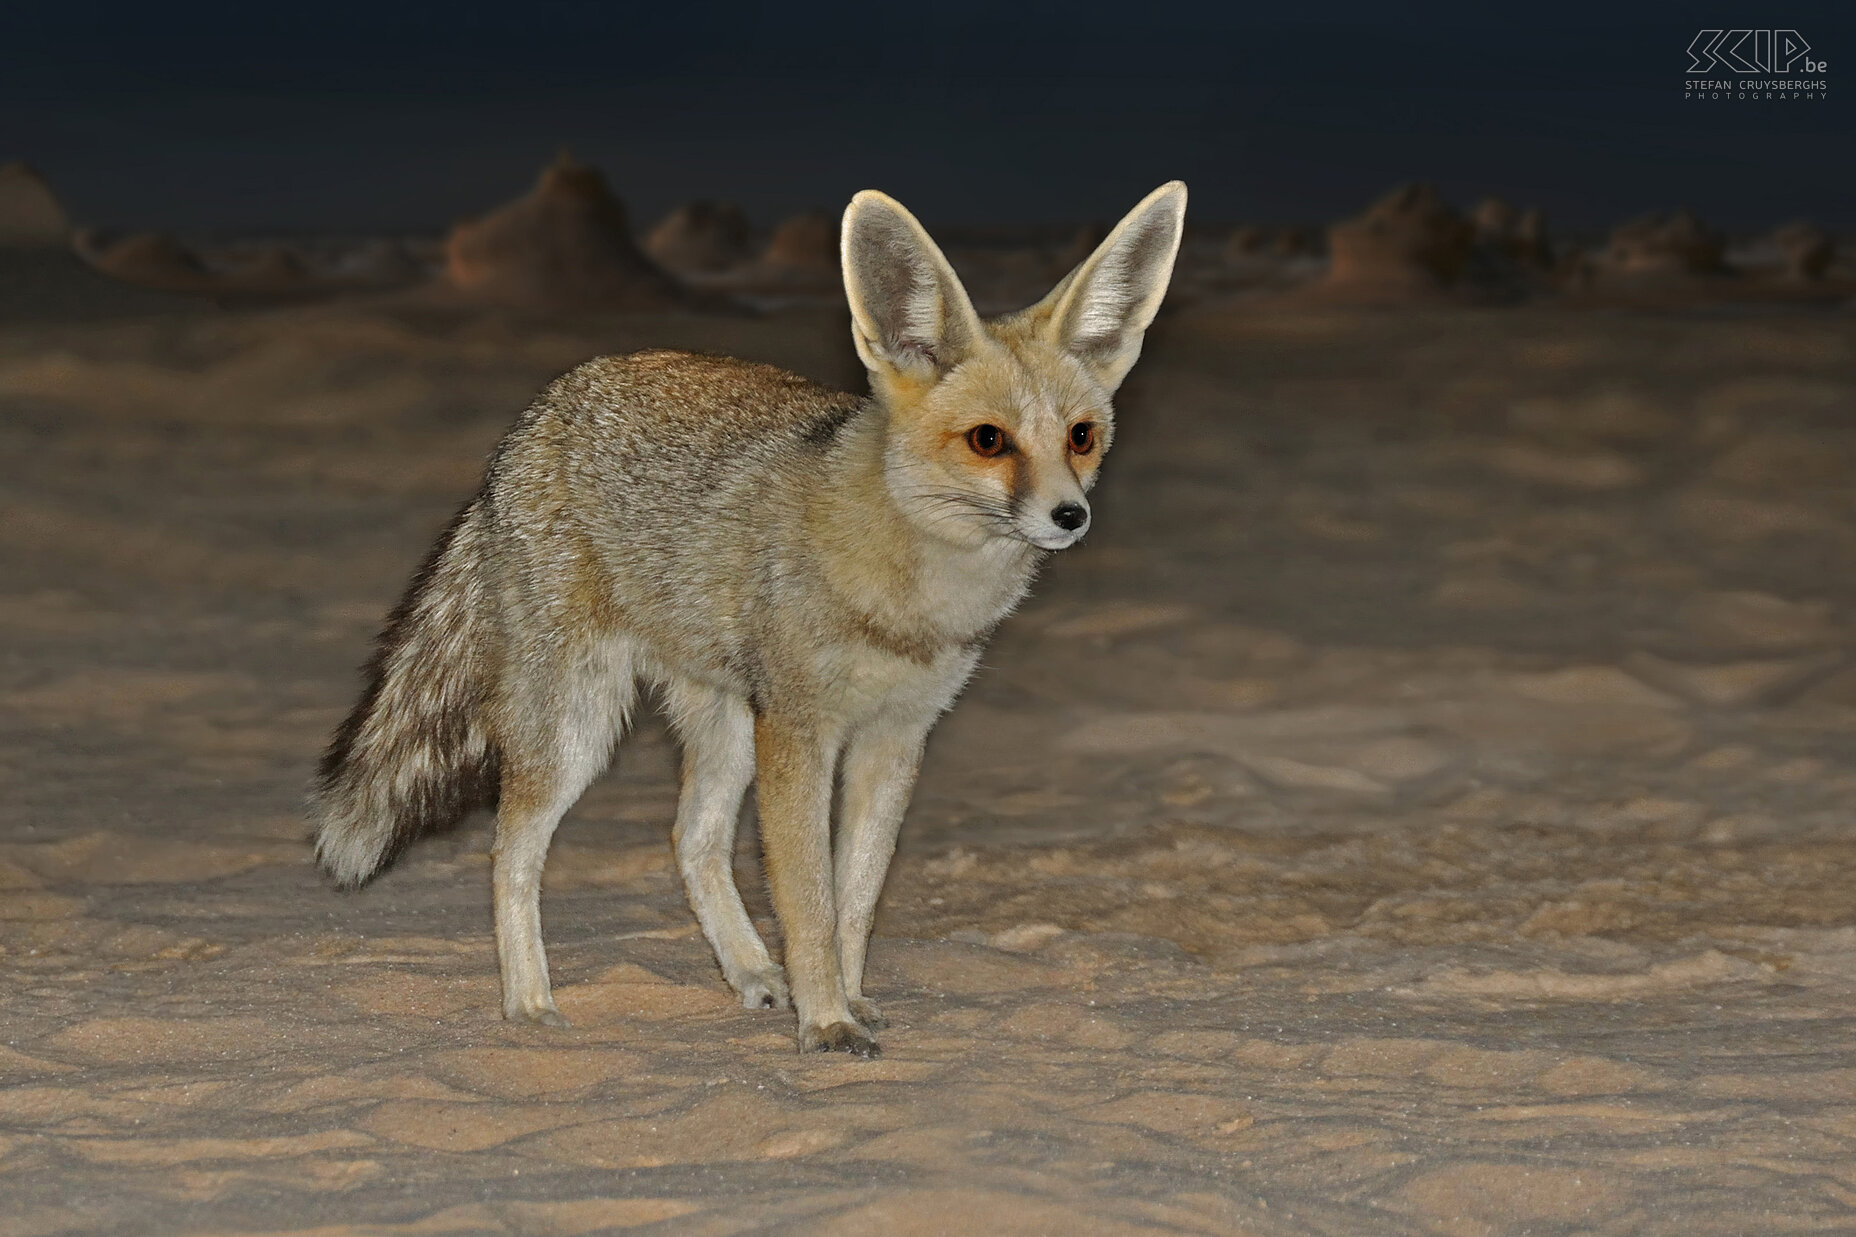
column 986, row 439
column 1083, row 437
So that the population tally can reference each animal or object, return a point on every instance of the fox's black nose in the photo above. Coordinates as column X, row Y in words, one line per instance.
column 1069, row 516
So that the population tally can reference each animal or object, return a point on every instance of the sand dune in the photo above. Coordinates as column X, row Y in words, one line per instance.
column 1421, row 807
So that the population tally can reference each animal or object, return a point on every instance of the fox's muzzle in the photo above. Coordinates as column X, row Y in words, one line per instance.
column 1059, row 528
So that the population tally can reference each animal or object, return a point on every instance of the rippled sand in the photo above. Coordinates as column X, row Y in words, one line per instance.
column 1423, row 806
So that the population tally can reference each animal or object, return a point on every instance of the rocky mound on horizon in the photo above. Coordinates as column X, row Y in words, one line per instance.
column 1805, row 251
column 147, row 260
column 1663, row 245
column 1506, row 233
column 1408, row 243
column 43, row 276
column 565, row 244
column 30, row 216
column 1251, row 242
column 803, row 252
column 251, row 268
column 703, row 236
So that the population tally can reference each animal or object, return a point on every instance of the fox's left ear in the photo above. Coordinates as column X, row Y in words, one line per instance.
column 910, row 316
column 1102, row 309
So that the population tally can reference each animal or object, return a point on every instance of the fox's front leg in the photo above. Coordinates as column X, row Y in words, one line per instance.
column 794, row 763
column 880, row 763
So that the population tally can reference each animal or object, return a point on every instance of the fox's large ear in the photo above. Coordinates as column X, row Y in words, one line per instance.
column 910, row 316
column 1102, row 309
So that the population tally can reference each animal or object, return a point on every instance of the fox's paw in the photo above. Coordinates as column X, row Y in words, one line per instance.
column 540, row 1015
column 764, row 989
column 865, row 1011
column 839, row 1037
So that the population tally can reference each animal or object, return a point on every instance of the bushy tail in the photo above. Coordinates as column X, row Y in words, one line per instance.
column 416, row 753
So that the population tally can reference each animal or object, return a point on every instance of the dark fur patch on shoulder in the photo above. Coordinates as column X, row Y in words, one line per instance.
column 823, row 430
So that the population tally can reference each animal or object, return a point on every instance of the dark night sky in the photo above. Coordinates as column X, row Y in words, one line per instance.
column 348, row 115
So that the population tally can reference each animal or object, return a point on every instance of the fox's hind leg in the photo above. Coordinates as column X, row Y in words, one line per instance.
column 718, row 763
column 558, row 736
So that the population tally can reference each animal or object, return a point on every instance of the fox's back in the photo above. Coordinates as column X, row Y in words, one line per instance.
column 663, row 438
column 659, row 492
column 665, row 417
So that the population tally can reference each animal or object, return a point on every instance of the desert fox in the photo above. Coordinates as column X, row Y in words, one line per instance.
column 807, row 577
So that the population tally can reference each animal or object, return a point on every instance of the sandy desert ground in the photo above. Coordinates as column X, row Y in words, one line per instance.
column 1422, row 806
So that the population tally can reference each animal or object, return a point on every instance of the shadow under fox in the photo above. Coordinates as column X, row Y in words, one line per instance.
column 807, row 576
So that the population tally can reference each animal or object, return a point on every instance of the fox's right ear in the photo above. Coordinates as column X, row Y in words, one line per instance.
column 1102, row 309
column 910, row 316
